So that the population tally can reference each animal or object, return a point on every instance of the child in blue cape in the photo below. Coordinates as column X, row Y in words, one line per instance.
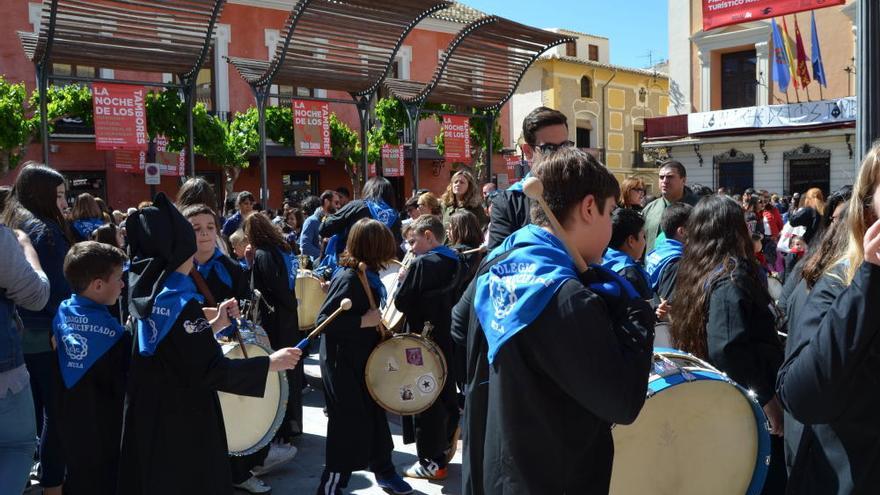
column 91, row 355
column 625, row 249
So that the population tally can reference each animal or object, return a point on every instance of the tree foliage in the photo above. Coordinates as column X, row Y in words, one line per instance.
column 16, row 129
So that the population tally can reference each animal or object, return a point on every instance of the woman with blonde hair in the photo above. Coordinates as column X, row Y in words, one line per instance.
column 814, row 199
column 428, row 204
column 632, row 193
column 463, row 193
column 829, row 379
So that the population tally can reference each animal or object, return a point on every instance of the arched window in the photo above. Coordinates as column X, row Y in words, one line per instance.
column 586, row 87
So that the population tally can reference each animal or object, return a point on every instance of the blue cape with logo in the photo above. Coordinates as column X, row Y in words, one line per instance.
column 380, row 211
column 291, row 263
column 664, row 253
column 84, row 331
column 512, row 294
column 85, row 226
column 178, row 290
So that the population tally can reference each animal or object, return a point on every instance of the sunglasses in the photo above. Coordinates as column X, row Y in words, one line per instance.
column 551, row 147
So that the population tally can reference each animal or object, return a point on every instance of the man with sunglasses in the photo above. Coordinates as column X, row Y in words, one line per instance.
column 673, row 186
column 544, row 130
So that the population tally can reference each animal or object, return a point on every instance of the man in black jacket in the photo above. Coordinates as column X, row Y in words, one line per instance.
column 544, row 130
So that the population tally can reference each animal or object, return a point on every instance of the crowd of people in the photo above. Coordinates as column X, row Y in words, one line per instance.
column 110, row 321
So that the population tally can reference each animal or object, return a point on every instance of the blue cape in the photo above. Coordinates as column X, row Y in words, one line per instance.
column 376, row 283
column 84, row 331
column 215, row 265
column 616, row 261
column 519, row 185
column 657, row 260
column 329, row 263
column 512, row 294
column 291, row 263
column 445, row 251
column 178, row 290
column 380, row 211
column 85, row 226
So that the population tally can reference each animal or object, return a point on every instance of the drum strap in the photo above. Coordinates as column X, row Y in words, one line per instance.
column 204, row 290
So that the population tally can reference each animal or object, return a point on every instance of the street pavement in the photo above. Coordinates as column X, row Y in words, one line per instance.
column 302, row 475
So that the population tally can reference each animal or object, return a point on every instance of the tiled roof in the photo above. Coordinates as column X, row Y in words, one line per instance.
column 460, row 13
column 578, row 33
column 564, row 58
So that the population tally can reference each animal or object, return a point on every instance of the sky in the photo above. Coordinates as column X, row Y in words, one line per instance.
column 634, row 27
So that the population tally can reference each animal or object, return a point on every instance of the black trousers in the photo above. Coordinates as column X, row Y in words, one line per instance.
column 240, row 466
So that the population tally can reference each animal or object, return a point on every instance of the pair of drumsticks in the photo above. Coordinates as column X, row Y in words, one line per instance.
column 533, row 188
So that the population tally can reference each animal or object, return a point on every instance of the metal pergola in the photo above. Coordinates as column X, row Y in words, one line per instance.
column 160, row 36
column 344, row 45
column 481, row 68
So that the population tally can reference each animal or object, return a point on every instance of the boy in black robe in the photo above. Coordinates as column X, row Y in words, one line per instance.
column 91, row 354
column 568, row 353
column 174, row 438
column 427, row 294
column 625, row 249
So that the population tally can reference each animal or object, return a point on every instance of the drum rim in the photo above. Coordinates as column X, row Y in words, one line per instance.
column 759, row 474
column 283, row 397
column 441, row 382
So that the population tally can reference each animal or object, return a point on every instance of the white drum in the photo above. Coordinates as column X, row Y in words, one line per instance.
column 406, row 373
column 251, row 422
column 698, row 433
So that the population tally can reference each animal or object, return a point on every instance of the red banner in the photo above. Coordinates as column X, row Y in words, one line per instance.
column 456, row 138
column 392, row 160
column 311, row 128
column 171, row 163
column 129, row 161
column 718, row 13
column 120, row 116
column 512, row 161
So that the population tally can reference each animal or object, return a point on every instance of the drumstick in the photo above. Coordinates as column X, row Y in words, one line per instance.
column 481, row 249
column 344, row 305
column 362, row 275
column 534, row 189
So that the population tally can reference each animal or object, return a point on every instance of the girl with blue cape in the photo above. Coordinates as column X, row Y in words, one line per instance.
column 86, row 216
column 174, row 434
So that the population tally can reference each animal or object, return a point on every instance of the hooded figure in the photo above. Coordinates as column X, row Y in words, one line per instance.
column 175, row 440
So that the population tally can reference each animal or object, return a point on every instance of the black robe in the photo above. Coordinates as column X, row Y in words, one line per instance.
column 278, row 317
column 358, row 436
column 510, row 212
column 634, row 276
column 427, row 294
column 90, row 427
column 174, row 440
column 829, row 383
column 340, row 223
column 743, row 343
column 538, row 420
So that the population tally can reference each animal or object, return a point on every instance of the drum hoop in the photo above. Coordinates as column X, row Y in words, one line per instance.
column 441, row 381
column 279, row 413
column 762, row 462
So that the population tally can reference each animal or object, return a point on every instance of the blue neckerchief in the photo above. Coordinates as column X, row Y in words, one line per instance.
column 446, row 251
column 243, row 264
column 614, row 285
column 179, row 289
column 85, row 226
column 216, row 265
column 85, row 331
column 657, row 260
column 329, row 264
column 515, row 291
column 376, row 283
column 380, row 211
column 616, row 261
column 519, row 185
column 291, row 263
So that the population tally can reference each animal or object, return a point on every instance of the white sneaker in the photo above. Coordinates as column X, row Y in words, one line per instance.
column 279, row 454
column 254, row 485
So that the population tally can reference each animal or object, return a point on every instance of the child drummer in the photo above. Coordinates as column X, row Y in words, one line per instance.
column 358, row 436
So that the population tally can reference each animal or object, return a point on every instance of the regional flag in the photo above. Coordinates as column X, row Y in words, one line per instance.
column 802, row 71
column 781, row 73
column 790, row 53
column 818, row 67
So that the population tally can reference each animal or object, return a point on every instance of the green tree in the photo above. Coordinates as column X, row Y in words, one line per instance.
column 16, row 129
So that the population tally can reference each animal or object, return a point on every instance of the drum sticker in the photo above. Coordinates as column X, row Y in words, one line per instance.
column 391, row 366
column 197, row 326
column 427, row 384
column 406, row 393
column 414, row 356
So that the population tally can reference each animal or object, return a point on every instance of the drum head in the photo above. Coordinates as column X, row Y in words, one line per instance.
column 309, row 298
column 251, row 422
column 405, row 374
column 693, row 438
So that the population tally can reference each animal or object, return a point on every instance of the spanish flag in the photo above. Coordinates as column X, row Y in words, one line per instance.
column 790, row 53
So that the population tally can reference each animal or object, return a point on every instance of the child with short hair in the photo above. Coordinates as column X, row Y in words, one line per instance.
column 91, row 355
column 625, row 249
column 239, row 242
